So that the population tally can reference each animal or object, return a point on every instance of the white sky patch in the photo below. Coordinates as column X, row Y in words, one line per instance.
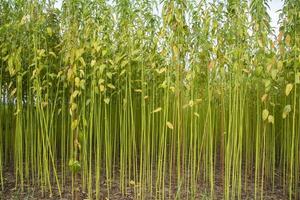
column 58, row 4
column 275, row 6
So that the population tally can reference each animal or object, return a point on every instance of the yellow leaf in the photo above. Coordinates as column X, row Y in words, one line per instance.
column 122, row 72
column 162, row 70
column 102, row 88
column 74, row 124
column 246, row 71
column 211, row 65
column 82, row 61
column 172, row 89
column 269, row 67
column 78, row 53
column 70, row 74
column 124, row 63
column 17, row 112
column 265, row 114
column 44, row 103
column 82, row 84
column 264, row 97
column 286, row 111
column 77, row 82
column 100, row 81
column 279, row 38
column 175, row 49
column 138, row 90
column 279, row 65
column 288, row 89
column 274, row 73
column 93, row 62
column 288, row 40
column 111, row 86
column 75, row 93
column 131, row 182
column 13, row 92
column 156, row 110
column 49, row 31
column 271, row 119
column 73, row 106
column 260, row 43
column 170, row 125
column 106, row 100
column 52, row 54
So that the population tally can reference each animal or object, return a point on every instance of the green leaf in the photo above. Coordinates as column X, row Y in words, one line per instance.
column 82, row 84
column 74, row 165
column 297, row 78
column 124, row 63
column 79, row 52
column 52, row 54
column 82, row 61
column 122, row 72
column 109, row 75
column 274, row 73
column 279, row 65
column 104, row 52
column 267, row 84
column 49, row 31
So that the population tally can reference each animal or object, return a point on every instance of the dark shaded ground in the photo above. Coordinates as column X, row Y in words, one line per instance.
column 34, row 192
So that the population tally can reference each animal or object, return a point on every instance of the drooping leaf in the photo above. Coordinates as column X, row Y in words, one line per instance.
column 265, row 114
column 157, row 110
column 264, row 97
column 286, row 111
column 288, row 89
column 107, row 100
column 170, row 125
column 101, row 87
column 271, row 119
column 111, row 86
column 74, row 124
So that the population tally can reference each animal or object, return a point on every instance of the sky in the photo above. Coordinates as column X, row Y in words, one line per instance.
column 275, row 5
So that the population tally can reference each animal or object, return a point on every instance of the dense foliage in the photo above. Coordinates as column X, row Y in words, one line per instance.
column 150, row 94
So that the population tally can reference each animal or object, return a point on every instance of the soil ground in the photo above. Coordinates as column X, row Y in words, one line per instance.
column 34, row 192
